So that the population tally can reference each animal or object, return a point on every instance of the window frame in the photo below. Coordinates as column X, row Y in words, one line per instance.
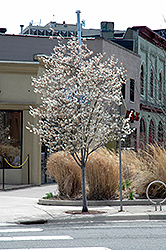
column 160, row 86
column 160, row 133
column 151, row 90
column 142, row 80
column 151, row 132
column 132, row 90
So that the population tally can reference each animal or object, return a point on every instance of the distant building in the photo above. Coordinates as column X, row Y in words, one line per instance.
column 57, row 29
column 54, row 29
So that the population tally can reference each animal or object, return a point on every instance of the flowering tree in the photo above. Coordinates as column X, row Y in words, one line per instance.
column 80, row 94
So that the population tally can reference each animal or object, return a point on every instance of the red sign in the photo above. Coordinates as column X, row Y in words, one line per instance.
column 134, row 116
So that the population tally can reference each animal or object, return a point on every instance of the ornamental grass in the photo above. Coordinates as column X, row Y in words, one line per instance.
column 102, row 175
column 65, row 171
column 144, row 167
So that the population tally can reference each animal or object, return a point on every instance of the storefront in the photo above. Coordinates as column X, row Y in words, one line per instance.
column 20, row 150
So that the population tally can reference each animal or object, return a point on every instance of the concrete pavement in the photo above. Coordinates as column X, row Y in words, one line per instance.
column 21, row 206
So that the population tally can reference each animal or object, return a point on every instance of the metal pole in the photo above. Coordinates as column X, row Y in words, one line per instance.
column 3, row 163
column 120, row 166
column 78, row 26
column 28, row 171
column 45, row 165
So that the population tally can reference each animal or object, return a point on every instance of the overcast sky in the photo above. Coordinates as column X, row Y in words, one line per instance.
column 124, row 13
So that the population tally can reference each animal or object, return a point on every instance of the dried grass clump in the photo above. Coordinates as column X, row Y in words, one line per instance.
column 144, row 167
column 131, row 161
column 102, row 175
column 62, row 168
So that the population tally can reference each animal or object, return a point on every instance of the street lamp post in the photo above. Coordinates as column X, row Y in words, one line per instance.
column 78, row 26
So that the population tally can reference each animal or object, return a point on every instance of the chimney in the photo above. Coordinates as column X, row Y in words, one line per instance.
column 21, row 26
column 107, row 30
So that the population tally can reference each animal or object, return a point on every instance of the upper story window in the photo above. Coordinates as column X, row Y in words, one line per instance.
column 56, row 33
column 160, row 133
column 160, row 86
column 33, row 31
column 40, row 32
column 64, row 33
column 132, row 83
column 48, row 32
column 123, row 90
column 151, row 132
column 142, row 80
column 151, row 83
column 71, row 33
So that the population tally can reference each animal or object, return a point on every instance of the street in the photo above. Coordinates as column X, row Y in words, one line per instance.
column 112, row 235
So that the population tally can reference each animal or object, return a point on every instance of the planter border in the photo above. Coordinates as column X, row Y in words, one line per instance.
column 139, row 202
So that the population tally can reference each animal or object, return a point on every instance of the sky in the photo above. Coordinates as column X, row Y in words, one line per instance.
column 124, row 13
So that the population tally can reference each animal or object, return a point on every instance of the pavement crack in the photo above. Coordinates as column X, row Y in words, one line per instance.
column 45, row 212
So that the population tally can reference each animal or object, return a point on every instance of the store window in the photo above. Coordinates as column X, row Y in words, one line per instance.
column 10, row 136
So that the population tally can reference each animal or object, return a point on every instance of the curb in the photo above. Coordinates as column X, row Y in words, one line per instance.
column 31, row 222
column 138, row 202
column 97, row 218
column 15, row 187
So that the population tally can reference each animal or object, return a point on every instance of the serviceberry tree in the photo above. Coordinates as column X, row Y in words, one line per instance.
column 80, row 95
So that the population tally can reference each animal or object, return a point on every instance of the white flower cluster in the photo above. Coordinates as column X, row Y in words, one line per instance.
column 80, row 94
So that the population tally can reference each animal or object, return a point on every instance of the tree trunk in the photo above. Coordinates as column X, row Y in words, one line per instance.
column 84, row 209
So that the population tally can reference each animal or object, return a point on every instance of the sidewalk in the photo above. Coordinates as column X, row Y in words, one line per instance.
column 21, row 206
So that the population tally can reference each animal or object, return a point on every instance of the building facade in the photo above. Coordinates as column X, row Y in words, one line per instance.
column 130, row 91
column 17, row 66
column 152, row 48
column 16, row 142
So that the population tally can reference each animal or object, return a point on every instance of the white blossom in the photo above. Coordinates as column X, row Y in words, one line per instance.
column 79, row 99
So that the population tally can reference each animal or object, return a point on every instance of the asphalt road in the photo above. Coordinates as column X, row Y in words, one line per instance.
column 149, row 235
